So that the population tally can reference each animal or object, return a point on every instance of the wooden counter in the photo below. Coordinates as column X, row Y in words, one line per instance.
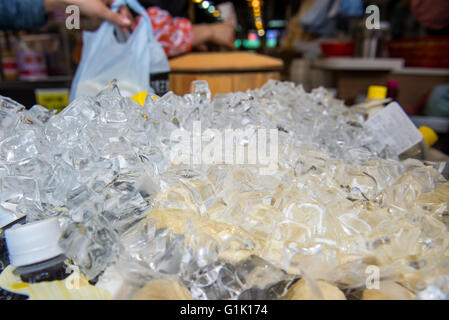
column 225, row 72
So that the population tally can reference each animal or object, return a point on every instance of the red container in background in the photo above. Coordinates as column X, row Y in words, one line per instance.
column 31, row 65
column 9, row 65
column 337, row 48
column 425, row 52
column 31, row 57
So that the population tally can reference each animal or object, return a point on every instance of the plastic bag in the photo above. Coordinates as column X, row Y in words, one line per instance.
column 321, row 16
column 317, row 19
column 351, row 8
column 130, row 63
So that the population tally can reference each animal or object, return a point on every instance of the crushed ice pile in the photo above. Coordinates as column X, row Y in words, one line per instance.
column 335, row 205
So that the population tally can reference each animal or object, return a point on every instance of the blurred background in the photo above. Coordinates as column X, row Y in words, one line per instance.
column 310, row 42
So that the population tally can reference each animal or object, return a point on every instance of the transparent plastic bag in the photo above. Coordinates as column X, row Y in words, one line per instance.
column 130, row 63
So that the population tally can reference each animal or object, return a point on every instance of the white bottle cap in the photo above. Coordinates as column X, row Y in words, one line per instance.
column 33, row 242
column 7, row 217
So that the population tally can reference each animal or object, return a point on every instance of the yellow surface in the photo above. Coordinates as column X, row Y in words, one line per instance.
column 140, row 97
column 163, row 289
column 74, row 287
column 53, row 100
column 430, row 137
column 376, row 92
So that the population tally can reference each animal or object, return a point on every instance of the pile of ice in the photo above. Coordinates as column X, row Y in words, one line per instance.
column 334, row 205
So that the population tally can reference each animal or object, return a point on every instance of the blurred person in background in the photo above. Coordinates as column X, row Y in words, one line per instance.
column 179, row 35
column 175, row 31
column 28, row 14
column 172, row 28
column 432, row 14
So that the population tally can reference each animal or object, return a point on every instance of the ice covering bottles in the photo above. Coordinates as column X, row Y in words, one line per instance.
column 335, row 205
column 420, row 150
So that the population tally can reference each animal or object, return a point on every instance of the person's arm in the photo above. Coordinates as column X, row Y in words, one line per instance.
column 21, row 14
column 218, row 33
column 27, row 14
column 92, row 8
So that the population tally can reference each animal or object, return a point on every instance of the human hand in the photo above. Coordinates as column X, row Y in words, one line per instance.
column 223, row 34
column 219, row 33
column 95, row 8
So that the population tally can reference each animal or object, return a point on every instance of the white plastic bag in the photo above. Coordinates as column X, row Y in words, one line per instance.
column 130, row 63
